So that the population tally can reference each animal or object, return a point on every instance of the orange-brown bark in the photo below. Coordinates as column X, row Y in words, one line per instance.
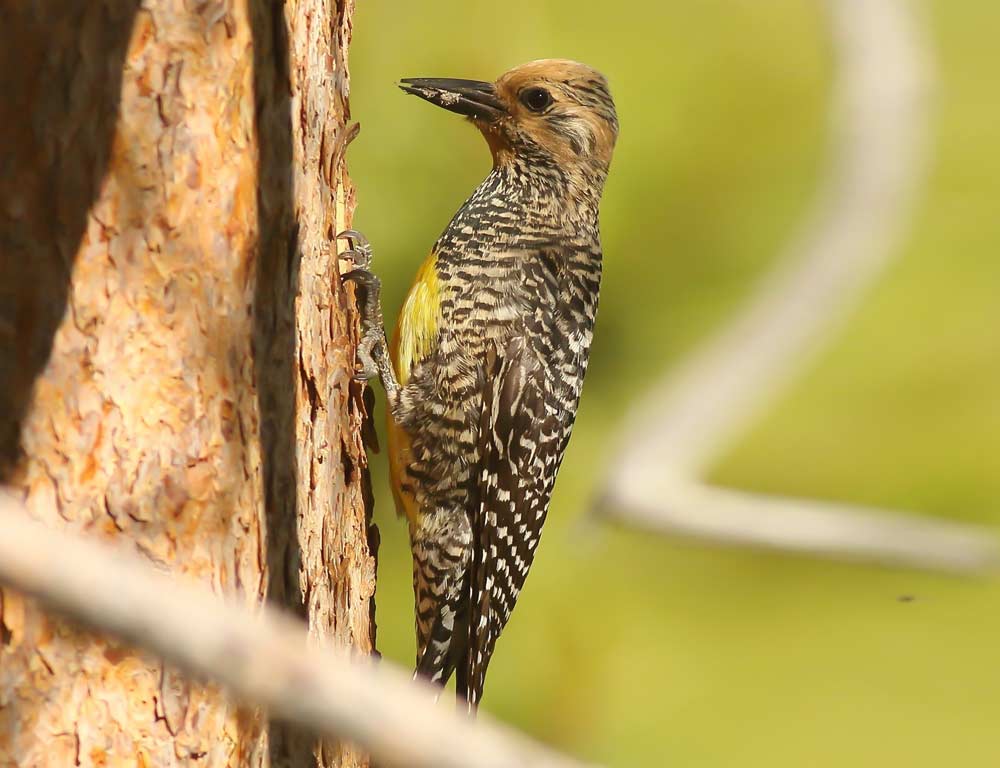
column 175, row 350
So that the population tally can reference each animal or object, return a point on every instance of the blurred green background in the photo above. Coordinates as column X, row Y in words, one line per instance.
column 634, row 650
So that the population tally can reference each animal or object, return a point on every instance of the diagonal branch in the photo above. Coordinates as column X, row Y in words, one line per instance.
column 822, row 528
column 877, row 160
column 263, row 657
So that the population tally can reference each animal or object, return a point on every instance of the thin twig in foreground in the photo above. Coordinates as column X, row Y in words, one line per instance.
column 262, row 657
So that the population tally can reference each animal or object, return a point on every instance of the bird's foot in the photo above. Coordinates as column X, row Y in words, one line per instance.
column 360, row 251
column 372, row 342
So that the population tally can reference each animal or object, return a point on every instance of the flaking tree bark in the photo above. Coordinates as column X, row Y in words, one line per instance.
column 176, row 352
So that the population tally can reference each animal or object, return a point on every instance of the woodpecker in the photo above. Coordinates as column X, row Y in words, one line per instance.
column 486, row 366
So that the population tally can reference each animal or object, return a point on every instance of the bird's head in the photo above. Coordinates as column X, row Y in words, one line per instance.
column 553, row 112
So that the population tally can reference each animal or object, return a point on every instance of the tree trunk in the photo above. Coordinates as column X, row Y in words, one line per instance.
column 176, row 351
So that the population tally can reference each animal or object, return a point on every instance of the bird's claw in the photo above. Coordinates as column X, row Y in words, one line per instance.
column 360, row 256
column 360, row 251
column 365, row 369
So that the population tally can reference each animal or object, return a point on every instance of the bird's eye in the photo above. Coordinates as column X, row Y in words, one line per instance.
column 536, row 99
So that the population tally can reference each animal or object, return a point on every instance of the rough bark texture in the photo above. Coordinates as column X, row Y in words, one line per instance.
column 175, row 350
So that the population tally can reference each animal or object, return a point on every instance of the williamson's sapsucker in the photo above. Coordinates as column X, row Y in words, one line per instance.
column 484, row 373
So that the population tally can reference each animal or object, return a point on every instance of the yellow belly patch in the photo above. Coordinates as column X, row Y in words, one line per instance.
column 416, row 330
column 414, row 339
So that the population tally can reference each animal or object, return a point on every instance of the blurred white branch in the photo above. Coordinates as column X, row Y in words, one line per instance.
column 814, row 527
column 878, row 153
column 263, row 657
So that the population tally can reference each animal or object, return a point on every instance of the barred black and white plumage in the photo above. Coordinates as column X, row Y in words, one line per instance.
column 490, row 352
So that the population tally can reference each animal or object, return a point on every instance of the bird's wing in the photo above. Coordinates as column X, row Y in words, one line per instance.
column 521, row 444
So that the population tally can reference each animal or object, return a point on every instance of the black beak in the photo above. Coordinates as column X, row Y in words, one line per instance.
column 471, row 98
